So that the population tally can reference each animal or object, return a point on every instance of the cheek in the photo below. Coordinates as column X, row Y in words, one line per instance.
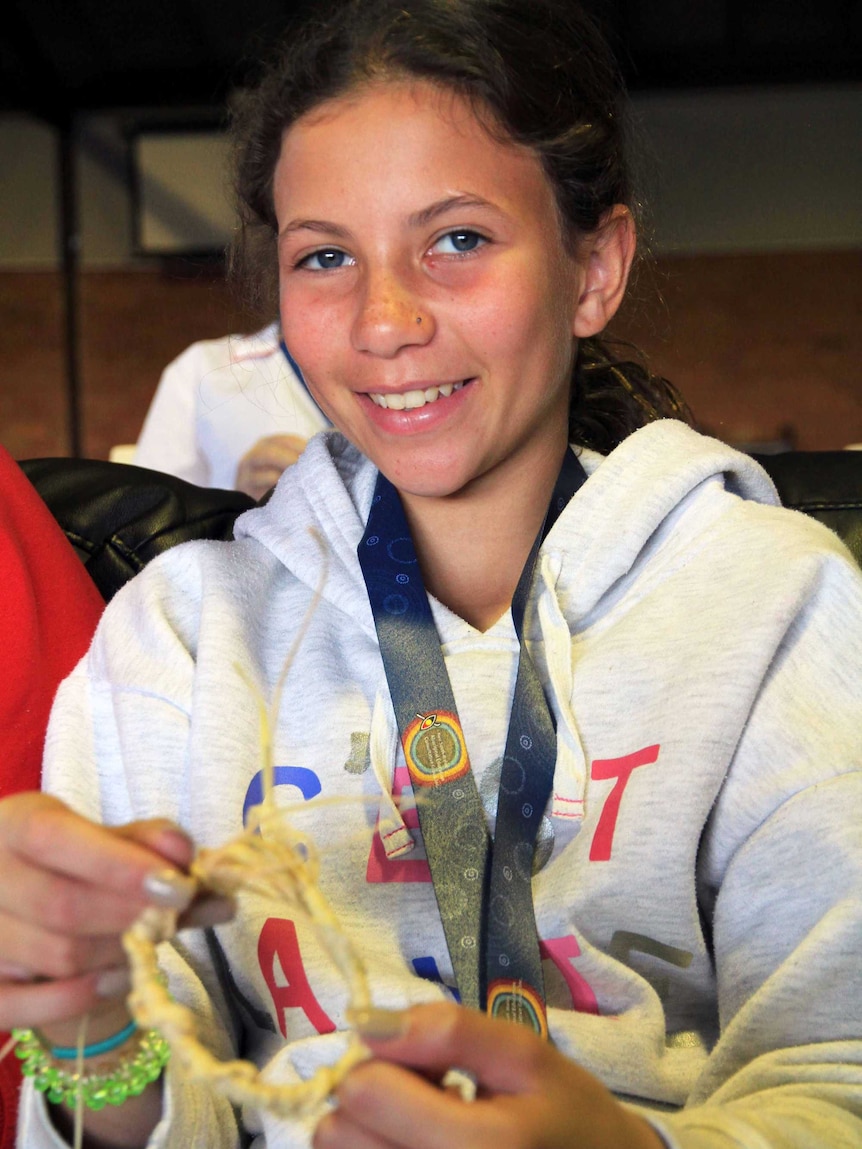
column 525, row 321
column 310, row 332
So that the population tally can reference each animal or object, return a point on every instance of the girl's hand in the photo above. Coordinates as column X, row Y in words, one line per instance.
column 528, row 1094
column 69, row 889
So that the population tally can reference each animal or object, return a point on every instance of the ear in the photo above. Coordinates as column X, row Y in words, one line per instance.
column 606, row 259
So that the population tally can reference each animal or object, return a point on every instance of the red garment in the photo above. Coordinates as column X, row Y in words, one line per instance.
column 49, row 608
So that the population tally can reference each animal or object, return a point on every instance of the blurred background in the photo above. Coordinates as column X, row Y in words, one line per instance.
column 115, row 210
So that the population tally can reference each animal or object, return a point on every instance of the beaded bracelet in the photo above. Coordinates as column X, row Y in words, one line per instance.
column 127, row 1079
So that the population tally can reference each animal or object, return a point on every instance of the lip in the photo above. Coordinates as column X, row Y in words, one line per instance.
column 417, row 419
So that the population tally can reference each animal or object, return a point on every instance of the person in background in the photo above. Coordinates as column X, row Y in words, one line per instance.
column 230, row 413
column 49, row 607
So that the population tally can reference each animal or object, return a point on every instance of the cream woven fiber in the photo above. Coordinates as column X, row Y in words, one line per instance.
column 273, row 859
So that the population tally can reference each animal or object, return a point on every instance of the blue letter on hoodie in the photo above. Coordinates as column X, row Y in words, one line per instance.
column 306, row 781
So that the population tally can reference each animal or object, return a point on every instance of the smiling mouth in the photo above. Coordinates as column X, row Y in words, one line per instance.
column 410, row 400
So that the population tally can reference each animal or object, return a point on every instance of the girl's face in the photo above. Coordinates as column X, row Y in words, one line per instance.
column 426, row 292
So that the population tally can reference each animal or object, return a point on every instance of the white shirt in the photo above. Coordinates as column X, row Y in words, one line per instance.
column 216, row 400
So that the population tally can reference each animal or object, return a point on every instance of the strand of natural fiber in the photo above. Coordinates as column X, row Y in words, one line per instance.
column 272, row 858
column 78, row 1135
column 276, row 862
column 7, row 1048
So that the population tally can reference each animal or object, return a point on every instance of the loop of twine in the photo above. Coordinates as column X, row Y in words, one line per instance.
column 277, row 862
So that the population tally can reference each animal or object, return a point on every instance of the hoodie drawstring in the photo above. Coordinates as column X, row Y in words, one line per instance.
column 383, row 746
column 570, row 770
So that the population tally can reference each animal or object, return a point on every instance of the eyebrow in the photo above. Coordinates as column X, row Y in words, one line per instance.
column 418, row 219
column 429, row 214
column 320, row 225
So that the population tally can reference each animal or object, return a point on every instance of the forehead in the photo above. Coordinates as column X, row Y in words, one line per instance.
column 407, row 140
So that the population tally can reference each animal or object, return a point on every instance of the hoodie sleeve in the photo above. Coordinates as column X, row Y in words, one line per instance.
column 118, row 729
column 781, row 875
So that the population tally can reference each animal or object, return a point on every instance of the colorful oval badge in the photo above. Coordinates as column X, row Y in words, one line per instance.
column 434, row 748
column 516, row 1001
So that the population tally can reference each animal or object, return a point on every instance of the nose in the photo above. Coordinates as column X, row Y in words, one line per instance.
column 391, row 315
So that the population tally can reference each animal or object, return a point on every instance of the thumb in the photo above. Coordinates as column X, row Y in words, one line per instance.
column 162, row 837
column 500, row 1055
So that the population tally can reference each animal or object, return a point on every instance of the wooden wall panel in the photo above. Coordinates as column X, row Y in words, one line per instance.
column 764, row 347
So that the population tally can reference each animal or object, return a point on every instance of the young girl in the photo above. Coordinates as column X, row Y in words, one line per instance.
column 618, row 669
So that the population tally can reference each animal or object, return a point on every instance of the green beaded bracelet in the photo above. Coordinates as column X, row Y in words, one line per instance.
column 96, row 1090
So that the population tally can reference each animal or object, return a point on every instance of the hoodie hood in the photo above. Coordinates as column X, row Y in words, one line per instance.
column 314, row 520
column 634, row 496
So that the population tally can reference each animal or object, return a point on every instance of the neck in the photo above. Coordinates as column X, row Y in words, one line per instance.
column 473, row 545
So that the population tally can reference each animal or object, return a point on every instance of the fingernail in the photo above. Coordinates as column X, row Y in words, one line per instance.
column 114, row 982
column 15, row 972
column 378, row 1024
column 169, row 888
column 210, row 910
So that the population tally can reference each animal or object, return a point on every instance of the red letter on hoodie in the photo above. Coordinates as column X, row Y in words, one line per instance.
column 281, row 966
column 562, row 951
column 621, row 769
column 383, row 869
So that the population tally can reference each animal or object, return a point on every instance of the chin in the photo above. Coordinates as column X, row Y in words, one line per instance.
column 427, row 488
column 430, row 482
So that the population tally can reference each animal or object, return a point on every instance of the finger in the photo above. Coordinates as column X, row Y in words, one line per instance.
column 337, row 1131
column 163, row 837
column 50, row 836
column 248, row 481
column 395, row 1105
column 62, row 904
column 37, row 952
column 32, row 1004
column 278, row 451
column 207, row 910
column 56, row 904
column 437, row 1037
column 292, row 442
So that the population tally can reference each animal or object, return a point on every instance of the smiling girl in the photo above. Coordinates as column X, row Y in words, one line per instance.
column 584, row 698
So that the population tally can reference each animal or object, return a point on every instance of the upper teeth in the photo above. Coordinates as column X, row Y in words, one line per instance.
column 408, row 400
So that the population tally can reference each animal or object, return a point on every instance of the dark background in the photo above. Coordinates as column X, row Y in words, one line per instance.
column 63, row 55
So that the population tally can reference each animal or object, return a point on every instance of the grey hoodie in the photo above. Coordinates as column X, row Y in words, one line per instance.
column 698, row 901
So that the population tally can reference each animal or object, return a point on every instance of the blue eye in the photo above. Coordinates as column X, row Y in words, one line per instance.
column 459, row 242
column 327, row 259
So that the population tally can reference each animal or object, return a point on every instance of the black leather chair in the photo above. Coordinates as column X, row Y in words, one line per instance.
column 118, row 517
column 824, row 484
